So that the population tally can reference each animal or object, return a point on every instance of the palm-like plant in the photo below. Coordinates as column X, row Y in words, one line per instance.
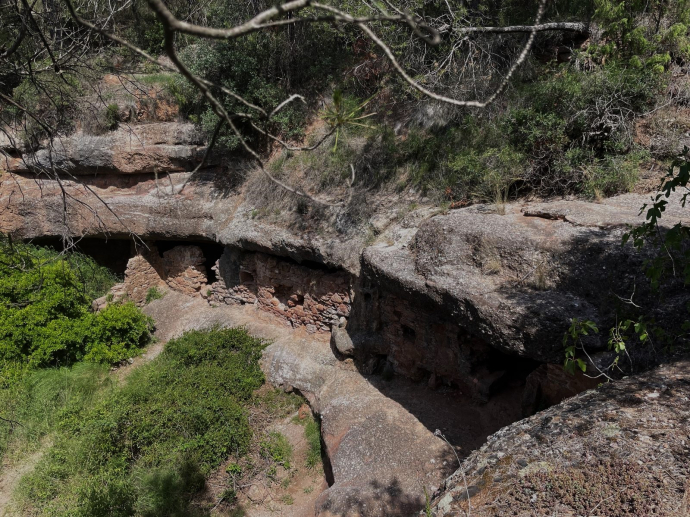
column 345, row 112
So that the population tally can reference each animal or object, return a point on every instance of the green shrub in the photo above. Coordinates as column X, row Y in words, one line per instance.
column 611, row 176
column 312, row 432
column 112, row 116
column 117, row 332
column 45, row 313
column 276, row 448
column 153, row 294
column 145, row 448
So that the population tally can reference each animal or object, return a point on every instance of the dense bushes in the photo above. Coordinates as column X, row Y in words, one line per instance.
column 46, row 317
column 571, row 131
column 560, row 128
column 144, row 449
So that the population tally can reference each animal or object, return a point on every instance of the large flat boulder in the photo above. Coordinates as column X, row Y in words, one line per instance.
column 623, row 449
column 150, row 148
column 382, row 458
column 509, row 280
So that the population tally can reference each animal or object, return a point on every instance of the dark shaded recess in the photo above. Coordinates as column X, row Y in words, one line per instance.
column 211, row 250
column 285, row 256
column 111, row 253
column 115, row 253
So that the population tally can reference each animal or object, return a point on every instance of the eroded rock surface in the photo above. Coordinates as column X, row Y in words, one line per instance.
column 382, row 458
column 445, row 294
column 150, row 148
column 623, row 449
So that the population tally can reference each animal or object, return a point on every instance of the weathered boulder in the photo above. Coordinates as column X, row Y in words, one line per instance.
column 151, row 148
column 382, row 458
column 623, row 449
column 444, row 296
column 341, row 341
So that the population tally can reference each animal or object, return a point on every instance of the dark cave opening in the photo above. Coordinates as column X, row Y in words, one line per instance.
column 211, row 250
column 111, row 253
column 115, row 253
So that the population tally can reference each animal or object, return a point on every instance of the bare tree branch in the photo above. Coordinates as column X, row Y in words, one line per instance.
column 553, row 26
column 287, row 14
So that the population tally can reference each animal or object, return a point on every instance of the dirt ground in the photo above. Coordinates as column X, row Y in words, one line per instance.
column 289, row 493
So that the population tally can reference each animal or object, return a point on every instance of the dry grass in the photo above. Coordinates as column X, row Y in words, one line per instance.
column 540, row 277
column 488, row 256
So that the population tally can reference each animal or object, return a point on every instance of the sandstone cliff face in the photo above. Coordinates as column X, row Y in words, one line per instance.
column 151, row 148
column 436, row 294
column 471, row 298
column 623, row 449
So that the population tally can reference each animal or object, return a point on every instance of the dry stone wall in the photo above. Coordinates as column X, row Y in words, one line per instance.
column 181, row 269
column 299, row 295
column 184, row 269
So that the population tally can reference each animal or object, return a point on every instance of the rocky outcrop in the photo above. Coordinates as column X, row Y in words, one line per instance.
column 151, row 148
column 622, row 449
column 472, row 300
column 448, row 298
column 444, row 296
column 138, row 180
column 381, row 457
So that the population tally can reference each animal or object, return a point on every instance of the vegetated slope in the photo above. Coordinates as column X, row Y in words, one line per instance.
column 588, row 114
column 145, row 447
column 75, row 439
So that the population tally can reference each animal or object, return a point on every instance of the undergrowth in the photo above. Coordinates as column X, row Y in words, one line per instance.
column 145, row 448
column 46, row 317
column 312, row 433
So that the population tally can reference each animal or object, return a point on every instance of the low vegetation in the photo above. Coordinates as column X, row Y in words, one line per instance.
column 153, row 294
column 312, row 432
column 145, row 447
column 46, row 317
column 141, row 446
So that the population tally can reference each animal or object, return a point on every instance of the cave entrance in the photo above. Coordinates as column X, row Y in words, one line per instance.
column 115, row 253
column 211, row 251
column 111, row 253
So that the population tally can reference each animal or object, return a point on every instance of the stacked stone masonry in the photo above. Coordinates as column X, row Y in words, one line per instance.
column 419, row 340
column 181, row 269
column 300, row 296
